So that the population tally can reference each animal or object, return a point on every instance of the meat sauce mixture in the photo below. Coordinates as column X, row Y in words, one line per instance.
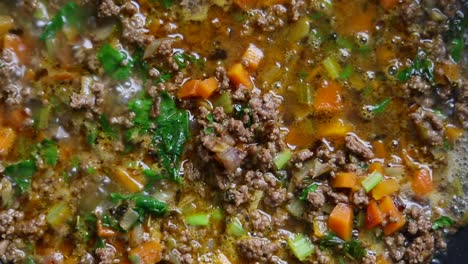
column 244, row 131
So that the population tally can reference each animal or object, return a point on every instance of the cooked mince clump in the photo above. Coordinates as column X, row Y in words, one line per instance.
column 198, row 131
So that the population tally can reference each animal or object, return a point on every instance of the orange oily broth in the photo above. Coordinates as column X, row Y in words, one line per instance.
column 304, row 124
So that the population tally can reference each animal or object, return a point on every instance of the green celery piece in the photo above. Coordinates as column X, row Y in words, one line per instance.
column 41, row 117
column 21, row 173
column 235, row 228
column 49, row 151
column 112, row 62
column 304, row 94
column 301, row 246
column 69, row 15
column 282, row 158
column 333, row 67
column 171, row 134
column 200, row 219
column 372, row 180
column 225, row 101
column 311, row 188
column 441, row 222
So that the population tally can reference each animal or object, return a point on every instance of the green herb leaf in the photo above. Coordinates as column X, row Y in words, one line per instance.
column 140, row 65
column 166, row 3
column 48, row 150
column 107, row 127
column 70, row 15
column 456, row 49
column 380, row 107
column 311, row 188
column 163, row 77
column 421, row 66
column 353, row 248
column 441, row 222
column 346, row 72
column 141, row 108
column 171, row 134
column 143, row 202
column 21, row 173
column 115, row 63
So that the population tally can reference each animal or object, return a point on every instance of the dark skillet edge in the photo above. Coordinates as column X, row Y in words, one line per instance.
column 457, row 249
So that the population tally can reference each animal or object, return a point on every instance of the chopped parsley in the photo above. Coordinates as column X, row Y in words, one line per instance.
column 70, row 15
column 441, row 222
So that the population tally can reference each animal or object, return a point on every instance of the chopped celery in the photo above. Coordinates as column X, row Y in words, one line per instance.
column 372, row 180
column 299, row 30
column 235, row 228
column 129, row 219
column 304, row 94
column 301, row 246
column 296, row 207
column 333, row 67
column 41, row 118
column 282, row 158
column 58, row 214
column 217, row 214
column 200, row 219
column 225, row 101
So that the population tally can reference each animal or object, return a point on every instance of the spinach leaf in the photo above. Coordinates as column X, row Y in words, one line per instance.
column 166, row 3
column 311, row 188
column 107, row 128
column 141, row 108
column 48, row 150
column 140, row 65
column 421, row 66
column 115, row 63
column 441, row 222
column 353, row 248
column 70, row 15
column 143, row 203
column 21, row 173
column 170, row 135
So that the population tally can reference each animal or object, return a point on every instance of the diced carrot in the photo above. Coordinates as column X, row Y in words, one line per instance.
column 127, row 181
column 252, row 57
column 328, row 98
column 267, row 3
column 376, row 166
column 452, row 132
column 394, row 217
column 147, row 253
column 104, row 232
column 379, row 149
column 15, row 44
column 382, row 260
column 207, row 87
column 336, row 128
column 355, row 18
column 344, row 180
column 385, row 54
column 189, row 89
column 7, row 139
column 246, row 4
column 421, row 182
column 340, row 221
column 373, row 215
column 388, row 4
column 239, row 75
column 398, row 222
column 385, row 188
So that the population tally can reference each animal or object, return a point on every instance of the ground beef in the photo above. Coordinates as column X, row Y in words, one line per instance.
column 240, row 195
column 108, row 8
column 11, row 251
column 301, row 156
column 322, row 257
column 429, row 126
column 106, row 255
column 264, row 107
column 360, row 198
column 7, row 220
column 461, row 105
column 297, row 7
column 260, row 220
column 269, row 19
column 416, row 86
column 134, row 30
column 332, row 196
column 82, row 100
column 421, row 249
column 395, row 246
column 410, row 11
column 419, row 222
column 316, row 199
column 276, row 195
column 11, row 71
column 223, row 79
column 359, row 147
column 257, row 249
